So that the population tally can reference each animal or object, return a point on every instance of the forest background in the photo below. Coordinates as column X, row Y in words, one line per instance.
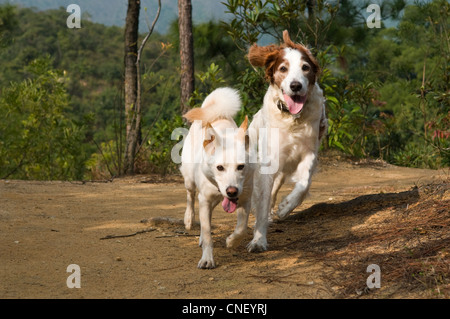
column 61, row 89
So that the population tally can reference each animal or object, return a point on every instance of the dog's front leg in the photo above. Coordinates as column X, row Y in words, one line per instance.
column 241, row 225
column 277, row 183
column 261, row 202
column 302, row 177
column 205, row 212
column 189, row 214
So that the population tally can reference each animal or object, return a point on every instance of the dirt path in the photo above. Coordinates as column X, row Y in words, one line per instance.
column 46, row 226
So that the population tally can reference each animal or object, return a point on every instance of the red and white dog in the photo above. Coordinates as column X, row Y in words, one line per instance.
column 294, row 105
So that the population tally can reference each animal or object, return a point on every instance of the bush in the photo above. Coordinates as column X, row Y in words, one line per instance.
column 38, row 139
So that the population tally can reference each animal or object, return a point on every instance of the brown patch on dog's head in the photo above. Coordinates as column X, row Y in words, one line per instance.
column 306, row 54
column 269, row 57
column 272, row 56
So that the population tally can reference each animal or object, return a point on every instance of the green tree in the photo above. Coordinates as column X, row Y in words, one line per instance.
column 38, row 140
column 413, row 62
column 8, row 21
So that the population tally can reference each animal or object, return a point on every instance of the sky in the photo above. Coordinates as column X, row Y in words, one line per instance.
column 113, row 12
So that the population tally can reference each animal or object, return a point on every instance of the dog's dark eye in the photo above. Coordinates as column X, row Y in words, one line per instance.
column 305, row 67
column 240, row 167
column 283, row 69
column 220, row 168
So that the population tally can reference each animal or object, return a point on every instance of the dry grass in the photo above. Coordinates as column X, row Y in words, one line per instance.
column 407, row 234
column 409, row 242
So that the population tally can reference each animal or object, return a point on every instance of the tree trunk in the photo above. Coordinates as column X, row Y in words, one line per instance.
column 186, row 52
column 133, row 121
column 310, row 5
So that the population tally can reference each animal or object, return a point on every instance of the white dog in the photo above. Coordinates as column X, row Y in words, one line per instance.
column 215, row 161
column 294, row 104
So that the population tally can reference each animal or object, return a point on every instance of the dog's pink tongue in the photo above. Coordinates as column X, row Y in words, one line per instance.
column 294, row 103
column 228, row 205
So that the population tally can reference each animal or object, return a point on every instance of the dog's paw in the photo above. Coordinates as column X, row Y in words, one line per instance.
column 233, row 240
column 207, row 260
column 206, row 263
column 256, row 246
column 284, row 209
column 271, row 216
column 188, row 220
column 188, row 225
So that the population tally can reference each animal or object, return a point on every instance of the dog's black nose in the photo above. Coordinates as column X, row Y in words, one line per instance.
column 296, row 86
column 232, row 191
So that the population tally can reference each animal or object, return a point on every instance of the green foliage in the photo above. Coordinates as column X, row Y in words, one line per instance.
column 303, row 19
column 8, row 21
column 387, row 89
column 105, row 163
column 209, row 81
column 38, row 139
column 252, row 86
column 156, row 154
column 91, row 59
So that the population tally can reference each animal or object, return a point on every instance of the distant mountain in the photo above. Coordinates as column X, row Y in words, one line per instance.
column 113, row 12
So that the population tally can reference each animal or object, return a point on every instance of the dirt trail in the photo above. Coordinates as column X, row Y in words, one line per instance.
column 46, row 226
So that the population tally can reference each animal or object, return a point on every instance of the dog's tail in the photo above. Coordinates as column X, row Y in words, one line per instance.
column 223, row 103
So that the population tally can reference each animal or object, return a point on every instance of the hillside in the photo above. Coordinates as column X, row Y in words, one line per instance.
column 113, row 12
column 384, row 100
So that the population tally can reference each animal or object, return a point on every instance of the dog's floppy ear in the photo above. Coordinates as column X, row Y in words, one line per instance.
column 287, row 39
column 262, row 56
column 265, row 57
